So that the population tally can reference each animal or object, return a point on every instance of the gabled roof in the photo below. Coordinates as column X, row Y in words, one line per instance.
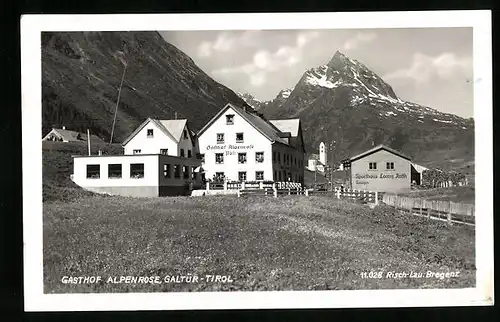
column 291, row 125
column 419, row 167
column 378, row 148
column 175, row 127
column 73, row 136
column 159, row 124
column 260, row 124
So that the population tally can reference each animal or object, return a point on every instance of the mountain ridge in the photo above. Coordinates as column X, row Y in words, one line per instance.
column 81, row 74
column 346, row 102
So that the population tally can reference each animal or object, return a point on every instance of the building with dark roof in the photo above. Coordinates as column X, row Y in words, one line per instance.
column 64, row 135
column 239, row 144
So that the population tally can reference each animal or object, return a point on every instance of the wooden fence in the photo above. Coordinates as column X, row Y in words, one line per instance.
column 449, row 211
column 363, row 196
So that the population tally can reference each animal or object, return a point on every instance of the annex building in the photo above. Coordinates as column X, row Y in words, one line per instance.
column 160, row 159
column 239, row 144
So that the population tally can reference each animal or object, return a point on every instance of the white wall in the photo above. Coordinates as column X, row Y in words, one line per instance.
column 151, row 145
column 186, row 144
column 150, row 171
column 322, row 153
column 231, row 167
column 381, row 179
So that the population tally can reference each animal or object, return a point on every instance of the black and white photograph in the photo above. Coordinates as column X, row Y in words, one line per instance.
column 221, row 161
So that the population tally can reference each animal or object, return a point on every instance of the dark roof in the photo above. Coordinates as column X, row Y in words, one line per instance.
column 259, row 123
column 378, row 148
column 74, row 136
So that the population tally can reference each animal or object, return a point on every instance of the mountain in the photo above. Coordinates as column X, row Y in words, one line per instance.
column 257, row 104
column 346, row 102
column 82, row 71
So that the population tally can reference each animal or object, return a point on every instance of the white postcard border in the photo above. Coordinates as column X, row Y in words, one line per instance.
column 36, row 300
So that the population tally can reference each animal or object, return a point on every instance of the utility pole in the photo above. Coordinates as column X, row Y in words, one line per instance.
column 117, row 102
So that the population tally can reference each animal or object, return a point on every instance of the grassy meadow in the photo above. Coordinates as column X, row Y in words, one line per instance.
column 285, row 243
column 465, row 194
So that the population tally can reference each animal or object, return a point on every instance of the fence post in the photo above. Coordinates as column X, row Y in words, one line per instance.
column 275, row 192
column 376, row 197
column 338, row 194
column 307, row 192
column 207, row 187
column 242, row 185
column 289, row 191
column 261, row 185
column 225, row 185
column 239, row 193
column 449, row 213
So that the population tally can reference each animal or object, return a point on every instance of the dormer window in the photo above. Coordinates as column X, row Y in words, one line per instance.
column 150, row 133
column 230, row 119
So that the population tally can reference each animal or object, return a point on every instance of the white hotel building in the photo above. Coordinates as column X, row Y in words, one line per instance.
column 240, row 145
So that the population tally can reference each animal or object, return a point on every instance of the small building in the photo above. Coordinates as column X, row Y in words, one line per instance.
column 381, row 169
column 64, row 135
column 239, row 144
column 314, row 164
column 318, row 162
column 166, row 137
column 143, row 175
column 416, row 174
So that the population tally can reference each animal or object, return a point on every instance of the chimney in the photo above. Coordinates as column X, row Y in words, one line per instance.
column 244, row 108
column 64, row 128
column 175, row 115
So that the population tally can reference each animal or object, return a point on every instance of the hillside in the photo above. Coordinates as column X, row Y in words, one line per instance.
column 82, row 73
column 346, row 102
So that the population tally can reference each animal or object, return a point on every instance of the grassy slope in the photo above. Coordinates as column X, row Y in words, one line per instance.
column 455, row 194
column 288, row 243
column 58, row 166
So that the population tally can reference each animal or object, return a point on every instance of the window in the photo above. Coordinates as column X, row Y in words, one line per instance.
column 150, row 133
column 279, row 175
column 275, row 175
column 185, row 134
column 220, row 138
column 259, row 157
column 193, row 173
column 230, row 119
column 295, row 161
column 185, row 171
column 219, row 176
column 274, row 156
column 279, row 158
column 372, row 165
column 189, row 154
column 182, row 152
column 93, row 171
column 219, row 158
column 389, row 166
column 137, row 170
column 164, row 151
column 114, row 170
column 242, row 157
column 259, row 175
column 166, row 170
column 177, row 171
column 239, row 137
column 137, row 151
column 242, row 176
column 202, row 157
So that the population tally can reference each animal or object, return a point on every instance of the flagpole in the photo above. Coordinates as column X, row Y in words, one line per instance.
column 117, row 102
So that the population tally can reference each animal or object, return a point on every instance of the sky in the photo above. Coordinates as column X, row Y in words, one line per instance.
column 429, row 66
